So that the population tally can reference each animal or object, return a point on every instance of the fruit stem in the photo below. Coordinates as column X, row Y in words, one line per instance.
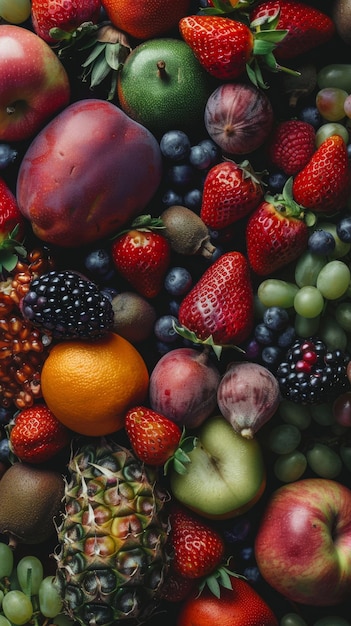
column 161, row 70
column 207, row 249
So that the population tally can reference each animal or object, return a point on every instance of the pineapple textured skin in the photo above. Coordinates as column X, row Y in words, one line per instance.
column 111, row 557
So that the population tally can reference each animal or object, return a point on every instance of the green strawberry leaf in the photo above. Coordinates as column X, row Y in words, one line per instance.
column 191, row 336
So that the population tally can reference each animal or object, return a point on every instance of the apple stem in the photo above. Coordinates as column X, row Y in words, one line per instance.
column 161, row 69
column 10, row 109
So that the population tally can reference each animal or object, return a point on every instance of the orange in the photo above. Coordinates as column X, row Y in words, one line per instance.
column 144, row 20
column 90, row 385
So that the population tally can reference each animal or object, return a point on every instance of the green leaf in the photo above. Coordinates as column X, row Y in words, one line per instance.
column 98, row 49
column 99, row 72
column 113, row 55
column 273, row 36
column 214, row 586
column 262, row 47
column 8, row 261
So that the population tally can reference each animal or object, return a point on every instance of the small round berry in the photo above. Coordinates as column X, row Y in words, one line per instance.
column 193, row 199
column 7, row 155
column 321, row 242
column 271, row 355
column 311, row 115
column 171, row 198
column 287, row 337
column 212, row 148
column 276, row 318
column 264, row 335
column 98, row 263
column 178, row 281
column 175, row 145
column 276, row 181
column 343, row 229
column 199, row 157
column 164, row 329
column 181, row 175
column 5, row 450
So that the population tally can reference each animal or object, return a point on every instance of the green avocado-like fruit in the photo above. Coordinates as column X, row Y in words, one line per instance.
column 162, row 85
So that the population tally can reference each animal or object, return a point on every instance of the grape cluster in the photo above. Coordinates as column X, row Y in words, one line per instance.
column 27, row 595
column 294, row 619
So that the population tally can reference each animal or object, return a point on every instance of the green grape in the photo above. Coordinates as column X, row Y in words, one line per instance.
column 309, row 302
column 30, row 574
column 4, row 621
column 332, row 620
column 284, row 438
column 297, row 414
column 335, row 75
column 1, row 597
column 333, row 335
column 17, row 607
column 275, row 292
column 347, row 106
column 6, row 560
column 329, row 129
column 333, row 279
column 292, row 619
column 308, row 267
column 290, row 467
column 306, row 327
column 330, row 103
column 341, row 247
column 345, row 453
column 343, row 315
column 15, row 11
column 50, row 602
column 324, row 461
column 322, row 414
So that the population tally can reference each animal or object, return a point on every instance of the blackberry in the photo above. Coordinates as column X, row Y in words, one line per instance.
column 312, row 374
column 66, row 305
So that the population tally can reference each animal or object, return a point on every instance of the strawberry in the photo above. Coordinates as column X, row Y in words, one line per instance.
column 36, row 435
column 276, row 233
column 324, row 184
column 291, row 145
column 219, row 307
column 12, row 228
column 142, row 256
column 198, row 549
column 176, row 587
column 230, row 192
column 307, row 27
column 66, row 15
column 155, row 439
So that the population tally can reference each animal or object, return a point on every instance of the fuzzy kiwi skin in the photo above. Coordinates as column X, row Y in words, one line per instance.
column 341, row 16
column 134, row 316
column 30, row 500
column 186, row 231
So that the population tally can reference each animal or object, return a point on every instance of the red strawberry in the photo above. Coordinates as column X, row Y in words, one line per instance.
column 176, row 587
column 198, row 549
column 324, row 184
column 307, row 26
column 155, row 439
column 276, row 233
column 230, row 192
column 221, row 303
column 291, row 145
column 142, row 256
column 66, row 15
column 37, row 435
column 12, row 227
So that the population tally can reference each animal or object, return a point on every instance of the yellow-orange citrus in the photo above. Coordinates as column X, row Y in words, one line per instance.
column 89, row 385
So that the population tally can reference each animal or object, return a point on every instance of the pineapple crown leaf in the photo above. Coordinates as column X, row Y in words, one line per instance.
column 191, row 336
column 217, row 579
column 180, row 458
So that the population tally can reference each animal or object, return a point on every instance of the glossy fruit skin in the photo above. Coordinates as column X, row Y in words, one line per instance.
column 223, row 46
column 307, row 26
column 154, row 437
column 267, row 225
column 174, row 95
column 110, row 191
column 291, row 145
column 47, row 14
column 238, row 117
column 221, row 303
column 239, row 606
column 322, row 188
column 10, row 215
column 33, row 82
column 145, row 20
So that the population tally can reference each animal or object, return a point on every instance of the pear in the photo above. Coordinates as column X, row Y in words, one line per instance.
column 30, row 500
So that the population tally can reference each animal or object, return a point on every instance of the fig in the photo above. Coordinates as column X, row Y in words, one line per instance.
column 183, row 386
column 248, row 396
column 30, row 500
column 186, row 232
column 238, row 117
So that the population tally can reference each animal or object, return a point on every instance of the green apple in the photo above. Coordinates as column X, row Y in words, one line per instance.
column 226, row 475
column 162, row 85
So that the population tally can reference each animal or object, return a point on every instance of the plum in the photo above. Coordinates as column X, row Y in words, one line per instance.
column 88, row 172
column 183, row 386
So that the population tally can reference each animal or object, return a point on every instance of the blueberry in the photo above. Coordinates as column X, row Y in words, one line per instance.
column 321, row 242
column 276, row 318
column 5, row 415
column 271, row 355
column 199, row 157
column 164, row 329
column 311, row 115
column 238, row 531
column 175, row 145
column 4, row 450
column 247, row 553
column 173, row 307
column 178, row 281
column 181, row 175
column 98, row 263
column 276, row 181
column 252, row 573
column 109, row 292
column 193, row 199
column 264, row 335
column 343, row 229
column 211, row 148
column 7, row 155
column 287, row 337
column 252, row 349
column 172, row 198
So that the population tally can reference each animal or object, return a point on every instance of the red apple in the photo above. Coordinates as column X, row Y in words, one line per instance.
column 88, row 172
column 34, row 84
column 303, row 544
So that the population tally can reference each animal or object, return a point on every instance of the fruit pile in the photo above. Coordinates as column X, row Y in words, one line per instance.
column 175, row 312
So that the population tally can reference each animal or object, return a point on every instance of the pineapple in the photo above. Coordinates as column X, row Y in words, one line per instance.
column 111, row 558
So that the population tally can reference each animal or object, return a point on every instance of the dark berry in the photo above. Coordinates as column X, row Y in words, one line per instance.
column 276, row 318
column 286, row 338
column 343, row 229
column 5, row 450
column 212, row 148
column 276, row 181
column 192, row 199
column 178, row 281
column 271, row 355
column 181, row 176
column 98, row 263
column 164, row 329
column 311, row 115
column 175, row 145
column 171, row 198
column 199, row 157
column 264, row 335
column 7, row 155
column 321, row 242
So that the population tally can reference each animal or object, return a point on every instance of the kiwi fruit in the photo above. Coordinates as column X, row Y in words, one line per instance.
column 30, row 499
column 341, row 16
column 134, row 316
column 186, row 231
